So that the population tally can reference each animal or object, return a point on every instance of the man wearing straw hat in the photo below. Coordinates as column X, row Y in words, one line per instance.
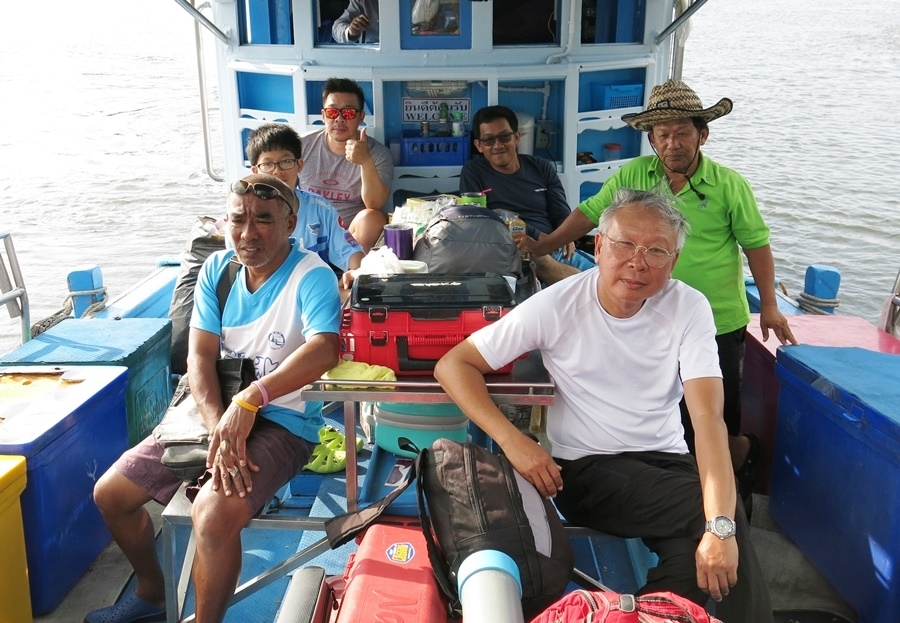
column 724, row 220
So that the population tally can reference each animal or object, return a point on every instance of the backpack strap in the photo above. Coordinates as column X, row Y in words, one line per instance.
column 343, row 528
column 223, row 288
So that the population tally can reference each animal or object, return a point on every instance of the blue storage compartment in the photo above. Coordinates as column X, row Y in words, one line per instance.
column 69, row 424
column 836, row 470
column 140, row 344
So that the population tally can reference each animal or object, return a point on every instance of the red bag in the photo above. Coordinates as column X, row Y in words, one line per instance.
column 609, row 607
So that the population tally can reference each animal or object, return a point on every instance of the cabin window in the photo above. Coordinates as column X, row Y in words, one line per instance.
column 526, row 22
column 613, row 21
column 265, row 22
column 435, row 24
column 336, row 22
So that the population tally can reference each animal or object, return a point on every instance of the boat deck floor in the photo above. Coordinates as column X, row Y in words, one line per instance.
column 322, row 496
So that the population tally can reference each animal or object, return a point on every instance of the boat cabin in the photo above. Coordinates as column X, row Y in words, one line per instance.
column 569, row 68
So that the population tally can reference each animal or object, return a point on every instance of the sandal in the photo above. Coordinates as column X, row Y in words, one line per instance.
column 330, row 454
column 131, row 609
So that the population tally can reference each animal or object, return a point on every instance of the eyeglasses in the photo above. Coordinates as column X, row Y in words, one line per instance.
column 624, row 250
column 285, row 165
column 503, row 137
column 347, row 113
column 261, row 190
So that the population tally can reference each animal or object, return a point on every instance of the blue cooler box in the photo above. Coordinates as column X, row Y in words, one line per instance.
column 140, row 344
column 836, row 470
column 69, row 424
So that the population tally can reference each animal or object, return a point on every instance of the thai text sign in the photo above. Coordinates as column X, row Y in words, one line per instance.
column 427, row 109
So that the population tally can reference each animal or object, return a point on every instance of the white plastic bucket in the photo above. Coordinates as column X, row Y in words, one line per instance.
column 526, row 133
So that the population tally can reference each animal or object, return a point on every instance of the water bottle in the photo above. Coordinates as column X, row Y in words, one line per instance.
column 459, row 128
column 443, row 128
column 490, row 589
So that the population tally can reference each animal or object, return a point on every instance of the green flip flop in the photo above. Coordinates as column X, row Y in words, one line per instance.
column 330, row 454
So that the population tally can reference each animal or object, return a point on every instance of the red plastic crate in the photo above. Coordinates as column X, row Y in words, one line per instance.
column 407, row 322
column 409, row 345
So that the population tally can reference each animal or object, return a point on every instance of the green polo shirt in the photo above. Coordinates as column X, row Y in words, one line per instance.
column 721, row 225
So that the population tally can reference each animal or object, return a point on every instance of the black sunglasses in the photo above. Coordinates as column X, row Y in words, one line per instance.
column 261, row 190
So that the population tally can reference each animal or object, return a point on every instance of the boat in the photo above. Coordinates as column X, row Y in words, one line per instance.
column 570, row 68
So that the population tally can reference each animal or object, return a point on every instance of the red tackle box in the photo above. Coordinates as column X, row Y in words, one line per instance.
column 390, row 578
column 408, row 321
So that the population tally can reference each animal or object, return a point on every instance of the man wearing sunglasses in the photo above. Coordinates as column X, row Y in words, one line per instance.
column 275, row 149
column 283, row 313
column 345, row 166
column 520, row 183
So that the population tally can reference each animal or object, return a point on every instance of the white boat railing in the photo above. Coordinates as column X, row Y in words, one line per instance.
column 12, row 291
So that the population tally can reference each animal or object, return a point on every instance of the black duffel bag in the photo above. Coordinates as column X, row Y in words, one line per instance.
column 472, row 500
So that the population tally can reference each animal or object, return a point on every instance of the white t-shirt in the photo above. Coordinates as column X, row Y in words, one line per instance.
column 618, row 380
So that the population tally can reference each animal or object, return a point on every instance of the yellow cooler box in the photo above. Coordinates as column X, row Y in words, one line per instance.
column 15, row 598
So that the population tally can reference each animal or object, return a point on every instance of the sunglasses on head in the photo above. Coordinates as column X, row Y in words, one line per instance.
column 261, row 190
column 347, row 113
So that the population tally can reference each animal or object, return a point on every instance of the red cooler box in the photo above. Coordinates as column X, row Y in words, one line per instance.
column 389, row 578
column 407, row 322
column 759, row 395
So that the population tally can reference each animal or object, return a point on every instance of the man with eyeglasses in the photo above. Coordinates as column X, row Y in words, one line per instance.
column 624, row 342
column 283, row 313
column 350, row 169
column 520, row 183
column 276, row 149
column 725, row 220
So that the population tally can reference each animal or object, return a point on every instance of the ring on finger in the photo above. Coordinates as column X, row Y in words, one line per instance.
column 233, row 471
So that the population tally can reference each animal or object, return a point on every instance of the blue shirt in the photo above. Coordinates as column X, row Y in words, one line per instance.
column 299, row 300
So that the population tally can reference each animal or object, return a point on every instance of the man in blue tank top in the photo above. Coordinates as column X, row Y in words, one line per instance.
column 283, row 313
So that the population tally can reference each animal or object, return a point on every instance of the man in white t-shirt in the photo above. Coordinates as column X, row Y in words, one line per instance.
column 623, row 342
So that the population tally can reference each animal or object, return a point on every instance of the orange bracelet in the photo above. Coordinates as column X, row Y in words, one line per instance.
column 244, row 404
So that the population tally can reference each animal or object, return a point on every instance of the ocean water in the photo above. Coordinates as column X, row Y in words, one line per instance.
column 102, row 158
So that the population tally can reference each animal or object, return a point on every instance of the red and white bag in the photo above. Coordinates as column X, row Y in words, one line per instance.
column 608, row 607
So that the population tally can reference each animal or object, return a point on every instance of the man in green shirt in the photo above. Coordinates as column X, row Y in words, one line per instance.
column 724, row 221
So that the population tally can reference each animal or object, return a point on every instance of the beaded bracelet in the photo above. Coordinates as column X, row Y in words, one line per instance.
column 263, row 392
column 244, row 404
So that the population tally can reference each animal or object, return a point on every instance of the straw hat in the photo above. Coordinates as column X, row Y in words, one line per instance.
column 675, row 100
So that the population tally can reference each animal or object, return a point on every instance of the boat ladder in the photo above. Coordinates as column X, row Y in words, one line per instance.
column 12, row 291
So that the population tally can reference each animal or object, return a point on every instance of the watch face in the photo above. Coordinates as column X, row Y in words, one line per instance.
column 723, row 526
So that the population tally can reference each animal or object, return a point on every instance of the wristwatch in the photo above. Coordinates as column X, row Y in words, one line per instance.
column 721, row 526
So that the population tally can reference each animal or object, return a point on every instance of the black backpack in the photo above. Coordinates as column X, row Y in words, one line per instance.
column 199, row 246
column 468, row 239
column 477, row 501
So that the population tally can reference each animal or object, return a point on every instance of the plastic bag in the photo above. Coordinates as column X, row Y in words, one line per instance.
column 420, row 211
column 380, row 261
